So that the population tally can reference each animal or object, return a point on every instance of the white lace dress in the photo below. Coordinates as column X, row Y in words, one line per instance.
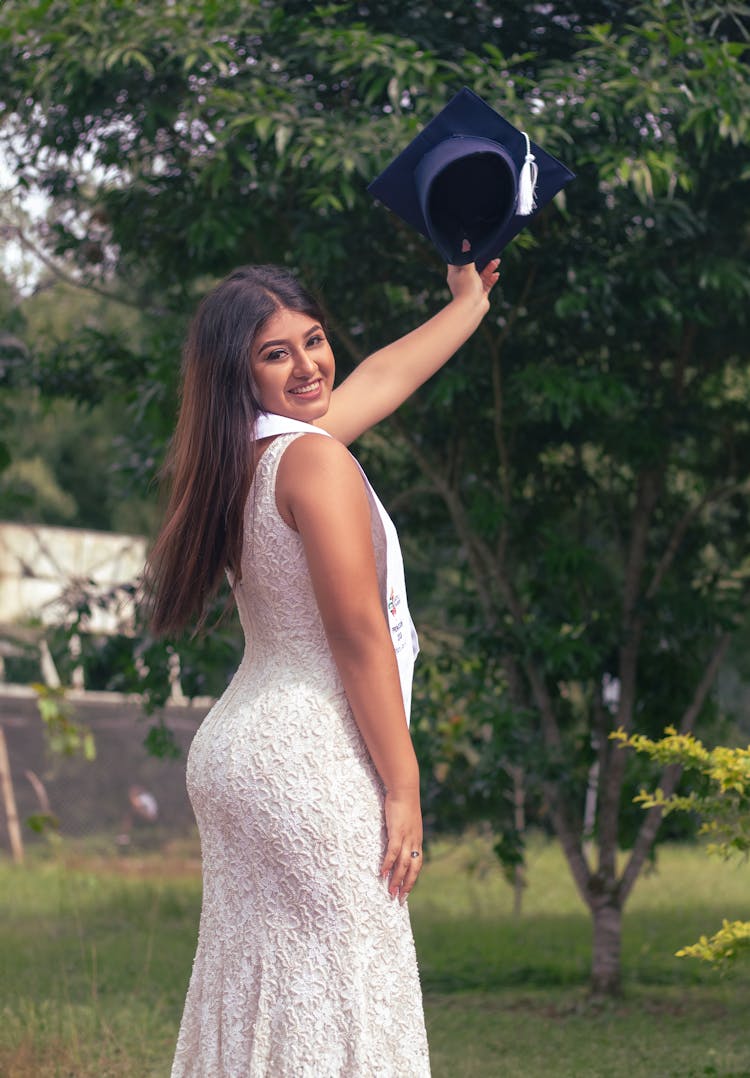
column 305, row 966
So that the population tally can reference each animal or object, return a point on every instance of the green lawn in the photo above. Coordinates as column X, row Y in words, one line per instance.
column 96, row 954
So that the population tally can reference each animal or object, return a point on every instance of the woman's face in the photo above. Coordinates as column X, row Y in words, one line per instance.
column 293, row 366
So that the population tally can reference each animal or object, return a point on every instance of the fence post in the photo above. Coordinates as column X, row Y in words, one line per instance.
column 9, row 801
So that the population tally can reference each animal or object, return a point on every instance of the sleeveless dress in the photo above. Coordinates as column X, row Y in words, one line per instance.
column 305, row 966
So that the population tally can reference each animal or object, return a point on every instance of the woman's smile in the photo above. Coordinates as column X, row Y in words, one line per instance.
column 309, row 390
column 292, row 366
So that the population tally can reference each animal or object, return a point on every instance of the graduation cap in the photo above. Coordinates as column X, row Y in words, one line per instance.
column 469, row 175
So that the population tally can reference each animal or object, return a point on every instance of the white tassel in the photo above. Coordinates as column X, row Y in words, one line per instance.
column 527, row 182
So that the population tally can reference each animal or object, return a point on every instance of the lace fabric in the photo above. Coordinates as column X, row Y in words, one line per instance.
column 305, row 966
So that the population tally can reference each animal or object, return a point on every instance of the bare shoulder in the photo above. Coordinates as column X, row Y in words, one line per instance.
column 313, row 468
column 313, row 455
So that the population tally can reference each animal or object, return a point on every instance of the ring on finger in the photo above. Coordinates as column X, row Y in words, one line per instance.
column 416, row 853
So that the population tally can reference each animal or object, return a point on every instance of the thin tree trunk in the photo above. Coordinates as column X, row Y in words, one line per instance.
column 605, row 966
column 519, row 822
column 9, row 801
column 519, row 886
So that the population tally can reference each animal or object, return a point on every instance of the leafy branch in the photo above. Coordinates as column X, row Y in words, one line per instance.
column 723, row 803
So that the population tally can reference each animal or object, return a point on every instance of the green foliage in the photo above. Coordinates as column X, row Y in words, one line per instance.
column 136, row 663
column 732, row 940
column 722, row 798
column 161, row 742
column 464, row 736
column 63, row 734
column 30, row 491
column 68, row 420
column 13, row 355
column 722, row 801
column 43, row 823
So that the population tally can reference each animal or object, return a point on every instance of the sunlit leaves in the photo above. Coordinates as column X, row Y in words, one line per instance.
column 721, row 800
column 730, row 942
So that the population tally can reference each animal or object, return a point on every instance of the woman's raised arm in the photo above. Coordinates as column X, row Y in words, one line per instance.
column 383, row 381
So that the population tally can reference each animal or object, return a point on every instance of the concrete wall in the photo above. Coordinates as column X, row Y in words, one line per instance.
column 90, row 799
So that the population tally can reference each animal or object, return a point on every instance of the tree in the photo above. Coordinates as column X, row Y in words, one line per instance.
column 584, row 483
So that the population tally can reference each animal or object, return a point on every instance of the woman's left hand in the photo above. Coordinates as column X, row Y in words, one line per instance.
column 465, row 281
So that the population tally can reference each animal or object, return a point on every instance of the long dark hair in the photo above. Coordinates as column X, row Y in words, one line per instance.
column 209, row 465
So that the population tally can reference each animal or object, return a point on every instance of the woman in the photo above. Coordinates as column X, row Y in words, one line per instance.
column 302, row 777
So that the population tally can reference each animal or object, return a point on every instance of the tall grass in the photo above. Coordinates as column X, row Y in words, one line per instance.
column 96, row 954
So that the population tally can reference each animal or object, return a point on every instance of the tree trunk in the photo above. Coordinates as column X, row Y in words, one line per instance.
column 9, row 801
column 519, row 822
column 605, row 966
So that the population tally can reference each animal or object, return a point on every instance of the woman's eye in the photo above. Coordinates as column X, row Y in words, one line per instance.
column 277, row 353
column 317, row 339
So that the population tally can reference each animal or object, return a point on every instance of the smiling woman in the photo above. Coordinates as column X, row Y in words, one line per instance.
column 303, row 777
column 292, row 366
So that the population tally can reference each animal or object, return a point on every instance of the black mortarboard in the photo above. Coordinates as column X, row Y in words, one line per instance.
column 470, row 175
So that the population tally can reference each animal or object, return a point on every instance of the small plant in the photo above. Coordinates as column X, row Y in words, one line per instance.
column 722, row 801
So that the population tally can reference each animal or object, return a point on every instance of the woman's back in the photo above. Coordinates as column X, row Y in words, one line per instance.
column 284, row 633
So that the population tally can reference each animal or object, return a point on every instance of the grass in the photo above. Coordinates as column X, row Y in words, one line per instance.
column 96, row 952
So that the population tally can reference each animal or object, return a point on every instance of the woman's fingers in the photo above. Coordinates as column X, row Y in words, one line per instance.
column 466, row 279
column 403, row 821
column 389, row 861
column 411, row 873
column 401, row 868
column 490, row 274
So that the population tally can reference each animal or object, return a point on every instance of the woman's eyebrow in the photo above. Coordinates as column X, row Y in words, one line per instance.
column 273, row 344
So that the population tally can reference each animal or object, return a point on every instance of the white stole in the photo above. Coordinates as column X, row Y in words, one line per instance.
column 403, row 633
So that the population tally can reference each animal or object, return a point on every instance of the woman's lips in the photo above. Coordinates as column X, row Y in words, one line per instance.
column 311, row 389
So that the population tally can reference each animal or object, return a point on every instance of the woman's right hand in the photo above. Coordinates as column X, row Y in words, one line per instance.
column 467, row 282
column 403, row 820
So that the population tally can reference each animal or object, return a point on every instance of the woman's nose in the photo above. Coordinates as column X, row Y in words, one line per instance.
column 304, row 364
